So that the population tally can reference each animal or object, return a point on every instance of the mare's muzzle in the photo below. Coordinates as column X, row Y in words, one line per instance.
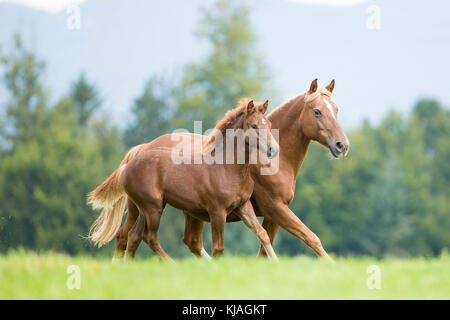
column 338, row 147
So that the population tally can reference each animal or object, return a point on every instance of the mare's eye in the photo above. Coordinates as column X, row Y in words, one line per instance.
column 254, row 126
column 317, row 112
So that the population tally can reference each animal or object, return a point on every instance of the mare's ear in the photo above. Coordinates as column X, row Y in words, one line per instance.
column 250, row 107
column 265, row 105
column 313, row 87
column 330, row 87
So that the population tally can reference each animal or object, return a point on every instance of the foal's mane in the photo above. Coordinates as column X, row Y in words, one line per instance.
column 229, row 121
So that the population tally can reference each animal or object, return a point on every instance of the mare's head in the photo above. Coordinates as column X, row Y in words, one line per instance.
column 318, row 120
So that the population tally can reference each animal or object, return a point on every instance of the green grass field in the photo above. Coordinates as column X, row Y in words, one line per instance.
column 32, row 276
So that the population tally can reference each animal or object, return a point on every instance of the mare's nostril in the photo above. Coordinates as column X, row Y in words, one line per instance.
column 339, row 146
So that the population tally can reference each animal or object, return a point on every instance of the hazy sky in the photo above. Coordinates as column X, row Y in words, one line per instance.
column 122, row 42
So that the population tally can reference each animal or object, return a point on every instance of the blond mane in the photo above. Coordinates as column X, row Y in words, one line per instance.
column 321, row 90
column 307, row 97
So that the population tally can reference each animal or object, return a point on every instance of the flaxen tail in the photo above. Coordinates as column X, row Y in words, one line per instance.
column 110, row 196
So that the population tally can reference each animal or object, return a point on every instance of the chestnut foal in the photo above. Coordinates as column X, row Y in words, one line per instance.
column 310, row 116
column 151, row 178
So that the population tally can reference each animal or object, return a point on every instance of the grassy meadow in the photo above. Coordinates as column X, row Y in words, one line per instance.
column 25, row 275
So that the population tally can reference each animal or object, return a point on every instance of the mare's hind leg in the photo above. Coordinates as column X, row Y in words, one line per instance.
column 248, row 216
column 193, row 236
column 122, row 234
column 135, row 236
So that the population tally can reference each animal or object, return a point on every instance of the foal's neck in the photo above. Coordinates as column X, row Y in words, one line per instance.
column 293, row 143
column 239, row 150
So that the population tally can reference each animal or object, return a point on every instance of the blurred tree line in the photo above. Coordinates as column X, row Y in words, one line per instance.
column 390, row 197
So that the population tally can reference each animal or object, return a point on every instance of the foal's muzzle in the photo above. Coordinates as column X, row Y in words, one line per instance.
column 272, row 151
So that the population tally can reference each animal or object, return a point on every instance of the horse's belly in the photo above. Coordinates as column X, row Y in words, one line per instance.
column 183, row 201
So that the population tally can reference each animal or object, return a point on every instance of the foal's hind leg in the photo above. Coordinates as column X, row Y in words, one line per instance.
column 135, row 236
column 122, row 234
column 248, row 216
column 152, row 219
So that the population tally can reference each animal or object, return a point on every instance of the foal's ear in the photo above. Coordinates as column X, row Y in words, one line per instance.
column 330, row 87
column 265, row 105
column 250, row 107
column 313, row 87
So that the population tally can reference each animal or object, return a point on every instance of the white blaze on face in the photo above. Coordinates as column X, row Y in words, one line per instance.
column 329, row 108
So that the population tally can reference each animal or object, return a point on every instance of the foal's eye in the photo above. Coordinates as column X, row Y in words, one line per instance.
column 254, row 126
column 317, row 112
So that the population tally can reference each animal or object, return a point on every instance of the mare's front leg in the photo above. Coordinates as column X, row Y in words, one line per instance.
column 193, row 235
column 280, row 214
column 248, row 216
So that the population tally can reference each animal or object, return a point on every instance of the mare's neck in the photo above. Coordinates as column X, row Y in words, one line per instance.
column 293, row 143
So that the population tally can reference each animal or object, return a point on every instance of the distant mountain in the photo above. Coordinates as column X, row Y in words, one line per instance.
column 121, row 43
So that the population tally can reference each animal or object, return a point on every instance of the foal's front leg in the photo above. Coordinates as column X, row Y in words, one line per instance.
column 248, row 216
column 218, row 220
column 272, row 229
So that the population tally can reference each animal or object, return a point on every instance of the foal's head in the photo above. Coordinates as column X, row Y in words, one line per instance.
column 319, row 119
column 247, row 120
column 257, row 127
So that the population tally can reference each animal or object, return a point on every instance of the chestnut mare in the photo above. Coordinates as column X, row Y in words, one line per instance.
column 150, row 178
column 309, row 116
